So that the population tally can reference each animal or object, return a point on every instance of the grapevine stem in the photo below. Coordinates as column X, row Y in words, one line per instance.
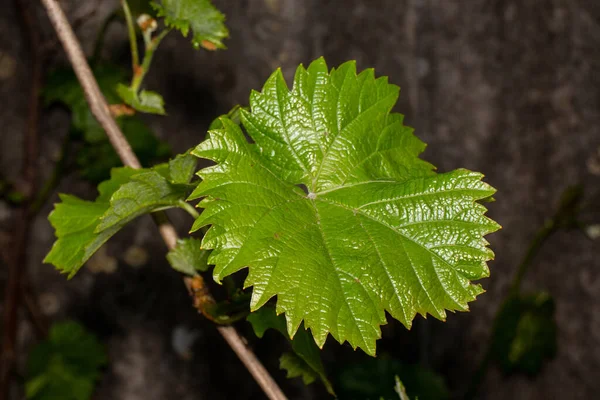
column 135, row 57
column 100, row 110
column 141, row 71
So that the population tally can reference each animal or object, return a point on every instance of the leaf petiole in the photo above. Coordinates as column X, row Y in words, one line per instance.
column 189, row 209
column 135, row 57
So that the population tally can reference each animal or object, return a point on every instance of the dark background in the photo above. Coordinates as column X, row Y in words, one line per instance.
column 507, row 87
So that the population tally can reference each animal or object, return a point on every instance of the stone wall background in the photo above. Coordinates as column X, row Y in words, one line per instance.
column 507, row 87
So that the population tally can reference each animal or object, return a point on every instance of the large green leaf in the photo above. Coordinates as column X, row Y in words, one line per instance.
column 83, row 226
column 66, row 365
column 333, row 212
column 206, row 22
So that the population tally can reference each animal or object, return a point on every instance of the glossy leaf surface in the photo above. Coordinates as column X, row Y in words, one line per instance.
column 333, row 212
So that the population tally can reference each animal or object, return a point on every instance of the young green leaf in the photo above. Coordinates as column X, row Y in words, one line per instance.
column 75, row 222
column 333, row 212
column 144, row 101
column 182, row 168
column 524, row 333
column 308, row 362
column 66, row 365
column 83, row 226
column 206, row 22
column 188, row 258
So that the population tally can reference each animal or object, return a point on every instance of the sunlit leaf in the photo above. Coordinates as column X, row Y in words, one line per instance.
column 332, row 211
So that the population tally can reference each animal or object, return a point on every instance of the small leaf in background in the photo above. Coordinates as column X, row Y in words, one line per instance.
column 144, row 101
column 83, row 226
column 205, row 21
column 375, row 378
column 182, row 168
column 303, row 345
column 524, row 334
column 330, row 193
column 188, row 257
column 66, row 366
column 297, row 367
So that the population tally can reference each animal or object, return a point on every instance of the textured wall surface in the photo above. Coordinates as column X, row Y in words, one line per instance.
column 507, row 87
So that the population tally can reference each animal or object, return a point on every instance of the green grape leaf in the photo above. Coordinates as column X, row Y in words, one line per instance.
column 206, row 22
column 66, row 365
column 82, row 226
column 144, row 101
column 75, row 222
column 525, row 334
column 146, row 192
column 374, row 378
column 332, row 211
column 188, row 257
column 308, row 363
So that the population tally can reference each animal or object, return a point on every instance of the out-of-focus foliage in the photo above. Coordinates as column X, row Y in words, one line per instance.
column 306, row 359
column 97, row 156
column 524, row 333
column 375, row 378
column 66, row 366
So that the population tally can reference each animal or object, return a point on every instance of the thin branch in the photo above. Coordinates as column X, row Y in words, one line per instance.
column 18, row 262
column 142, row 70
column 99, row 108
